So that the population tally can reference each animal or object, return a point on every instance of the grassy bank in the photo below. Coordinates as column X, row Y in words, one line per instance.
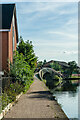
column 9, row 94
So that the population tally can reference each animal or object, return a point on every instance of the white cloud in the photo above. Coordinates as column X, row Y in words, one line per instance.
column 56, row 44
column 72, row 36
column 40, row 7
column 70, row 52
column 68, row 11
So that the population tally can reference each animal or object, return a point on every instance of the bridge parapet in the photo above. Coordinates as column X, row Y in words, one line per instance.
column 51, row 71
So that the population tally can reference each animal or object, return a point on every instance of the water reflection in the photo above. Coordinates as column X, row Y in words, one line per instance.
column 72, row 93
column 68, row 100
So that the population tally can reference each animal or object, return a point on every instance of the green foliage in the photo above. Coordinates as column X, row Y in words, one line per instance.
column 26, row 48
column 14, row 87
column 56, row 77
column 39, row 65
column 5, row 100
column 27, row 86
column 21, row 72
column 24, row 62
column 72, row 67
column 13, row 90
column 16, row 67
column 66, row 71
column 20, row 69
column 73, row 64
column 56, row 66
column 44, row 81
column 44, row 62
column 52, row 82
column 10, row 93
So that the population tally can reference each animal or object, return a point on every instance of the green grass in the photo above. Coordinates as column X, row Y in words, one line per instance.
column 75, row 76
column 26, row 88
column 58, row 83
column 10, row 93
column 44, row 81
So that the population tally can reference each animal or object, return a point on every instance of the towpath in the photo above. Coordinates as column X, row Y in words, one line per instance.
column 36, row 103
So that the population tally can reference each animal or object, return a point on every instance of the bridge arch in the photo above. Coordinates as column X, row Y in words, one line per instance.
column 47, row 76
column 48, row 72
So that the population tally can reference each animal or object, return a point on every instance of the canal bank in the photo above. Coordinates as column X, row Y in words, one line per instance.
column 36, row 103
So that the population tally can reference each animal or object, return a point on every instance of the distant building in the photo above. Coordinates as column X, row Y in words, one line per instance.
column 47, row 64
column 63, row 64
column 8, row 34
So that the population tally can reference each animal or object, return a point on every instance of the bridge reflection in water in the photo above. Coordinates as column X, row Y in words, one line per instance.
column 64, row 94
column 49, row 73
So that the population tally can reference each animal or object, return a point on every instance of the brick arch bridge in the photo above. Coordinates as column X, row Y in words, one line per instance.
column 46, row 73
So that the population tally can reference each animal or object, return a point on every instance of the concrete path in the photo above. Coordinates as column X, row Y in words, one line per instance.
column 36, row 103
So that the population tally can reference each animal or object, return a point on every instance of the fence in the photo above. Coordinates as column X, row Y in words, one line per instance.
column 5, row 82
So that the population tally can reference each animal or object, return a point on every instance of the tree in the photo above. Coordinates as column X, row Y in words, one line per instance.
column 44, row 62
column 26, row 48
column 40, row 63
column 72, row 67
column 20, row 69
column 56, row 66
column 24, row 62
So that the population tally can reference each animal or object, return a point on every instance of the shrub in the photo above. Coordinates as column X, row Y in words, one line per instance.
column 5, row 100
column 13, row 90
column 21, row 71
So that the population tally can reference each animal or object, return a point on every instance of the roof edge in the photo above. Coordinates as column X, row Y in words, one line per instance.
column 4, row 30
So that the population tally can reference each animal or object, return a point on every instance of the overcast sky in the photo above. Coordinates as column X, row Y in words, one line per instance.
column 52, row 27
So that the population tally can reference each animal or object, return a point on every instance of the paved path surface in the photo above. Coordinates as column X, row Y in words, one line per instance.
column 36, row 103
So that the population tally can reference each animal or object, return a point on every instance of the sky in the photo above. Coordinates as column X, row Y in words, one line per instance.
column 52, row 27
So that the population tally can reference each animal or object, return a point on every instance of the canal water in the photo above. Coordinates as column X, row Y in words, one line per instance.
column 69, row 102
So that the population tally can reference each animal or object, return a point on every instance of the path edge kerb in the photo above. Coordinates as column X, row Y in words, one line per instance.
column 9, row 106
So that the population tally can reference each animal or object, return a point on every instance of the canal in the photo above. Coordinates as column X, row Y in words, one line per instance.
column 69, row 101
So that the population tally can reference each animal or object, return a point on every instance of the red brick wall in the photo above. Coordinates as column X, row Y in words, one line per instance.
column 7, row 47
column 4, row 50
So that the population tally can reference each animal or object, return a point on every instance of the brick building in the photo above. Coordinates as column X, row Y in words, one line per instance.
column 8, row 34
